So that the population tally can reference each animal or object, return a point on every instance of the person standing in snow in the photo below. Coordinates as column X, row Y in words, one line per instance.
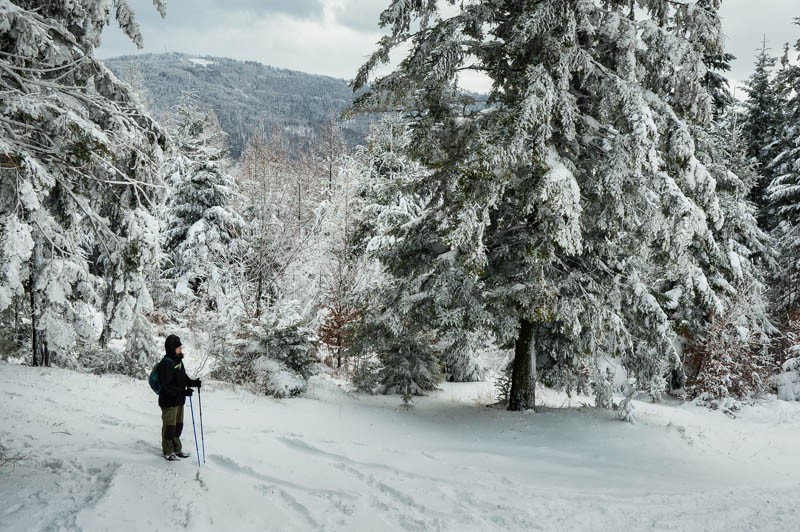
column 175, row 388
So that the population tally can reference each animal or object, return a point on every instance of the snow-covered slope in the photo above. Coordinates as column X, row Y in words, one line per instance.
column 337, row 462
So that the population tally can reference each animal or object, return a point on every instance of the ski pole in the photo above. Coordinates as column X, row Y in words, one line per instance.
column 202, row 436
column 191, row 407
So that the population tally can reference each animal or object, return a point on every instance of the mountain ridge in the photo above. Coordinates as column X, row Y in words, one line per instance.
column 250, row 98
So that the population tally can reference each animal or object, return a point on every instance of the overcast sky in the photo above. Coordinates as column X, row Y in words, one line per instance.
column 333, row 37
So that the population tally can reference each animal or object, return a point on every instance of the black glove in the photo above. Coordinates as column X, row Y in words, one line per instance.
column 188, row 392
column 197, row 384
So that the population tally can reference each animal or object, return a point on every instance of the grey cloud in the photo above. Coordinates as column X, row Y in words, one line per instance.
column 202, row 13
column 309, row 9
column 335, row 36
column 361, row 15
column 746, row 23
column 200, row 17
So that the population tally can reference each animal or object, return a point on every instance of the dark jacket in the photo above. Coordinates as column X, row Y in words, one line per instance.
column 174, row 382
column 173, row 378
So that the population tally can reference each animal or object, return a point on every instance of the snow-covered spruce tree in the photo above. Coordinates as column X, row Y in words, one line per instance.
column 736, row 264
column 200, row 223
column 460, row 351
column 723, row 148
column 367, row 198
column 403, row 330
column 392, row 309
column 783, row 194
column 80, row 177
column 762, row 123
column 132, row 303
column 743, row 257
column 574, row 205
column 389, row 351
column 788, row 379
column 274, row 355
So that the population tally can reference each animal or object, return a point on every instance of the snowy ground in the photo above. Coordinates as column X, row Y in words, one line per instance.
column 336, row 462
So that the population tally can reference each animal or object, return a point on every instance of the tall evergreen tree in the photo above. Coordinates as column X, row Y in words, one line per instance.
column 80, row 182
column 392, row 324
column 737, row 265
column 784, row 191
column 200, row 223
column 444, row 325
column 574, row 207
column 762, row 126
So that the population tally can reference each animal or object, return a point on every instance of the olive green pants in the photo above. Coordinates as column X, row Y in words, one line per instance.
column 171, row 428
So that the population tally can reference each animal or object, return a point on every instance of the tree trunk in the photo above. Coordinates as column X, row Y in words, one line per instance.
column 34, row 333
column 338, row 350
column 17, row 332
column 259, row 293
column 523, row 375
column 110, row 300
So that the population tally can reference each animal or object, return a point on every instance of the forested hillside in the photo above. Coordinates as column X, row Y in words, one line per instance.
column 248, row 97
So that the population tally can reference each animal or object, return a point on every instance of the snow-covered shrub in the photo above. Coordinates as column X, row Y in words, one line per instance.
column 788, row 382
column 284, row 335
column 141, row 351
column 732, row 360
column 502, row 383
column 625, row 411
column 274, row 355
column 408, row 369
column 570, row 377
column 466, row 354
column 407, row 358
column 8, row 458
column 98, row 360
column 13, row 337
column 603, row 387
column 275, row 379
column 366, row 373
column 222, row 341
column 334, row 332
column 8, row 347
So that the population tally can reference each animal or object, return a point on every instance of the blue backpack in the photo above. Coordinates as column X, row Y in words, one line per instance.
column 155, row 383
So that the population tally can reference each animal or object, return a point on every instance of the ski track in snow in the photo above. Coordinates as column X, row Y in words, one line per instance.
column 336, row 462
